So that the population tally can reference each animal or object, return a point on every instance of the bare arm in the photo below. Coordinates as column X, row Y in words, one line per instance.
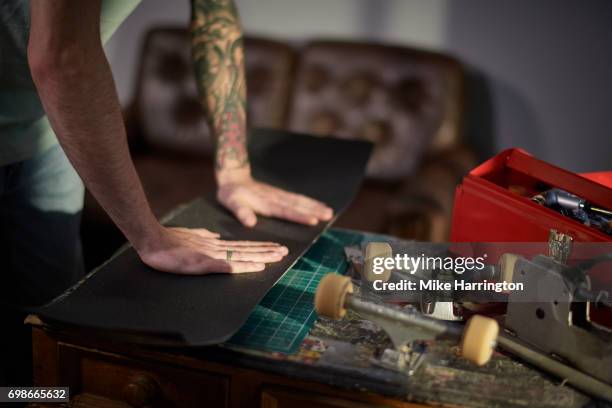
column 77, row 90
column 218, row 55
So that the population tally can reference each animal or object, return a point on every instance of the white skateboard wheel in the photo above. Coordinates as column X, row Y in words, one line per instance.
column 479, row 338
column 331, row 294
column 376, row 250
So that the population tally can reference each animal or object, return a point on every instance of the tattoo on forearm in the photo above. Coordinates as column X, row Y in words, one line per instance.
column 218, row 57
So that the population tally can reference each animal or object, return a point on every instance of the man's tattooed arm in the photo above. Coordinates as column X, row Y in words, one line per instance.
column 219, row 62
column 218, row 57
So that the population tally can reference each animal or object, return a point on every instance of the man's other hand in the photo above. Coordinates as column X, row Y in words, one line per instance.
column 246, row 197
column 199, row 251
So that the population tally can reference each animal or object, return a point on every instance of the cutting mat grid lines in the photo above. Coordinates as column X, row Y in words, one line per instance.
column 284, row 317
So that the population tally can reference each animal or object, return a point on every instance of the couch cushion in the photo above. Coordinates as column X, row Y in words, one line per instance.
column 167, row 107
column 404, row 100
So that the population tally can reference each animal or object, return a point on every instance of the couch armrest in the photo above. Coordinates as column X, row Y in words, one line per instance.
column 421, row 209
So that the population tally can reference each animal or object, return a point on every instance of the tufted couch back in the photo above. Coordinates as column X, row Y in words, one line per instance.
column 166, row 108
column 406, row 101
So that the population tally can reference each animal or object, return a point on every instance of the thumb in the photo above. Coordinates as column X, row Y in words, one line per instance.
column 244, row 214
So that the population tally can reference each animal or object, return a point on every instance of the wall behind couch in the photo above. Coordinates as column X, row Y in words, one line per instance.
column 541, row 70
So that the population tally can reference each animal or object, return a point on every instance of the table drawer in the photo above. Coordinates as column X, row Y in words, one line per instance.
column 142, row 384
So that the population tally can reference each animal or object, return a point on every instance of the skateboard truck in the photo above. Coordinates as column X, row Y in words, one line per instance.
column 478, row 339
column 335, row 295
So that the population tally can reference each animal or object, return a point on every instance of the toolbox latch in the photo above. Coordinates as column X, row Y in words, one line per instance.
column 559, row 245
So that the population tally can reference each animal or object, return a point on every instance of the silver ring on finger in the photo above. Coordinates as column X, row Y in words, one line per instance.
column 228, row 254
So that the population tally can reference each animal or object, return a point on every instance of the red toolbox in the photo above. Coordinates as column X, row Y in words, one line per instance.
column 493, row 204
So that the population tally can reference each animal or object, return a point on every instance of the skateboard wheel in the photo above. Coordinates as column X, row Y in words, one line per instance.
column 331, row 294
column 506, row 266
column 479, row 337
column 376, row 250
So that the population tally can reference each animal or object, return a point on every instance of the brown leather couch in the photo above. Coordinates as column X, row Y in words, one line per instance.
column 407, row 101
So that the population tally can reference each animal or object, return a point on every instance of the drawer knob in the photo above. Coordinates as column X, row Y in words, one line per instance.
column 141, row 391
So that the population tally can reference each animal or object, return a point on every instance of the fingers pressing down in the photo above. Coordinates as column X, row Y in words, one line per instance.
column 199, row 251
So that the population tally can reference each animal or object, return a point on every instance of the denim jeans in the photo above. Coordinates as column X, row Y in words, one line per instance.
column 40, row 250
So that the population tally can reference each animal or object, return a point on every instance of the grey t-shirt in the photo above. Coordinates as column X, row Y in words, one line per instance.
column 24, row 128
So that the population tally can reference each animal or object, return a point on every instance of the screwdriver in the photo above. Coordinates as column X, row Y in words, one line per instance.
column 557, row 198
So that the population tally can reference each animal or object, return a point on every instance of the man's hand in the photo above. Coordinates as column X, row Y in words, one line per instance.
column 246, row 197
column 199, row 251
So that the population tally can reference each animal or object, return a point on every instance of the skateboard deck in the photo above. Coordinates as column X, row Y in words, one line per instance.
column 125, row 297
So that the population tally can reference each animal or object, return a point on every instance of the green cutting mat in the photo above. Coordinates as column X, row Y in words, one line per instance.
column 286, row 314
